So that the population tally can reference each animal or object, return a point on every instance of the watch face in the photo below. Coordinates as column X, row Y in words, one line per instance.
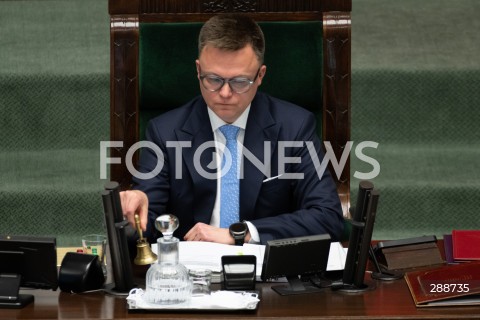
column 238, row 228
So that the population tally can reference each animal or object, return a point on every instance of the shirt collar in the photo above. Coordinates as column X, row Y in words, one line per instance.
column 216, row 122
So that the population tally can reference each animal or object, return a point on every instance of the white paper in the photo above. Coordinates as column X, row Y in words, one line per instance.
column 199, row 254
column 336, row 257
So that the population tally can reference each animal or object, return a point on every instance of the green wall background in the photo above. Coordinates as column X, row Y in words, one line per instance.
column 415, row 91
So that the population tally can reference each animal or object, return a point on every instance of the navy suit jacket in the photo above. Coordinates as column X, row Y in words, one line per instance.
column 279, row 208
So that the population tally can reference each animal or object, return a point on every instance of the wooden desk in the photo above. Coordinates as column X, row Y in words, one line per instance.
column 389, row 300
column 385, row 300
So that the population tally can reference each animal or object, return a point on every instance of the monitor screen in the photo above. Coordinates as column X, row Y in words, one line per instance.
column 34, row 258
column 28, row 262
column 297, row 259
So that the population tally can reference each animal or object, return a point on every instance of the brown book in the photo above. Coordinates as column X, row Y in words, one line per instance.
column 410, row 256
column 448, row 285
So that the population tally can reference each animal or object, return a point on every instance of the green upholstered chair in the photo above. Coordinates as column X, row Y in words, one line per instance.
column 154, row 46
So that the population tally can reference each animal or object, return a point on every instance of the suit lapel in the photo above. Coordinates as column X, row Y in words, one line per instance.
column 261, row 127
column 198, row 131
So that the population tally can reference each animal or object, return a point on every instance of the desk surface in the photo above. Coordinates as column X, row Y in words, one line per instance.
column 386, row 300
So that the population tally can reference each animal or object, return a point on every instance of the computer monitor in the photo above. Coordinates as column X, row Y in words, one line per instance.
column 117, row 240
column 28, row 262
column 299, row 259
column 360, row 237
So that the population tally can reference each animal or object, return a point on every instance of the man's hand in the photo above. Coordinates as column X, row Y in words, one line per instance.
column 135, row 202
column 205, row 232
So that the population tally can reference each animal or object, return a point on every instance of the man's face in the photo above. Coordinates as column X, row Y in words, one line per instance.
column 227, row 104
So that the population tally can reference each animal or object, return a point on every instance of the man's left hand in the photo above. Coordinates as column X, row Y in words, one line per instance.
column 205, row 232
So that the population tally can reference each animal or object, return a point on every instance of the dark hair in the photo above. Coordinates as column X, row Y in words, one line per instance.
column 232, row 32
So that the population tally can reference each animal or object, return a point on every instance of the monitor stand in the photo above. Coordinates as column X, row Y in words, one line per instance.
column 296, row 286
column 21, row 301
column 9, row 292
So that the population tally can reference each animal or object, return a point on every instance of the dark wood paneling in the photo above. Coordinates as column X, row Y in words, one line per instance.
column 123, row 92
column 336, row 93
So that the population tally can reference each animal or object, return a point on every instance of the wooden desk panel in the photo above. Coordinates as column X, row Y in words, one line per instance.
column 385, row 300
column 388, row 300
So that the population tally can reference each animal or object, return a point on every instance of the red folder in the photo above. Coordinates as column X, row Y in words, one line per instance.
column 450, row 285
column 466, row 244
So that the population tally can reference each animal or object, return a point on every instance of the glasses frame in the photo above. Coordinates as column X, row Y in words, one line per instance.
column 229, row 81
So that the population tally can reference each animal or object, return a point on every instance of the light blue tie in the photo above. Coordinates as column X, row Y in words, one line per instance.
column 230, row 184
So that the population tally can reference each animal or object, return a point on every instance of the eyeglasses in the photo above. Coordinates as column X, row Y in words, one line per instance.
column 214, row 83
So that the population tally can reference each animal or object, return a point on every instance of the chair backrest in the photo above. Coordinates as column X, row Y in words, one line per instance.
column 154, row 46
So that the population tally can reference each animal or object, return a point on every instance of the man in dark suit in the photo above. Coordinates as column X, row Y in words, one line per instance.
column 280, row 191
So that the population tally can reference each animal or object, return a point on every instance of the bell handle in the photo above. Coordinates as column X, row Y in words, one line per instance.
column 137, row 225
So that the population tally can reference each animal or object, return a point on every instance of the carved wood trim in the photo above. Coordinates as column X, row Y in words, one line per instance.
column 123, row 92
column 336, row 93
column 258, row 16
column 218, row 6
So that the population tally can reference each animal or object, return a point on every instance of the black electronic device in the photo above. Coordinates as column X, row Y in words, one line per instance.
column 27, row 262
column 382, row 274
column 9, row 286
column 239, row 272
column 117, row 240
column 80, row 272
column 360, row 237
column 238, row 231
column 404, row 242
column 393, row 256
column 300, row 260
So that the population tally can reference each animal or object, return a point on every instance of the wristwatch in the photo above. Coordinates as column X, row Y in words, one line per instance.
column 238, row 231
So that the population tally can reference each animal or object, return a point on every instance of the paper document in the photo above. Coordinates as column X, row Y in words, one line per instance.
column 199, row 254
column 336, row 257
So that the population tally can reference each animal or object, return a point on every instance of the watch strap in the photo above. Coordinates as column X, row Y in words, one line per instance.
column 239, row 241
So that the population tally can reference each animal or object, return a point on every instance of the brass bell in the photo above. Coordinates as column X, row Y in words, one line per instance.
column 144, row 252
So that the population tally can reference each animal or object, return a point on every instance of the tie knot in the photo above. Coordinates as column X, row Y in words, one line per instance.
column 229, row 131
